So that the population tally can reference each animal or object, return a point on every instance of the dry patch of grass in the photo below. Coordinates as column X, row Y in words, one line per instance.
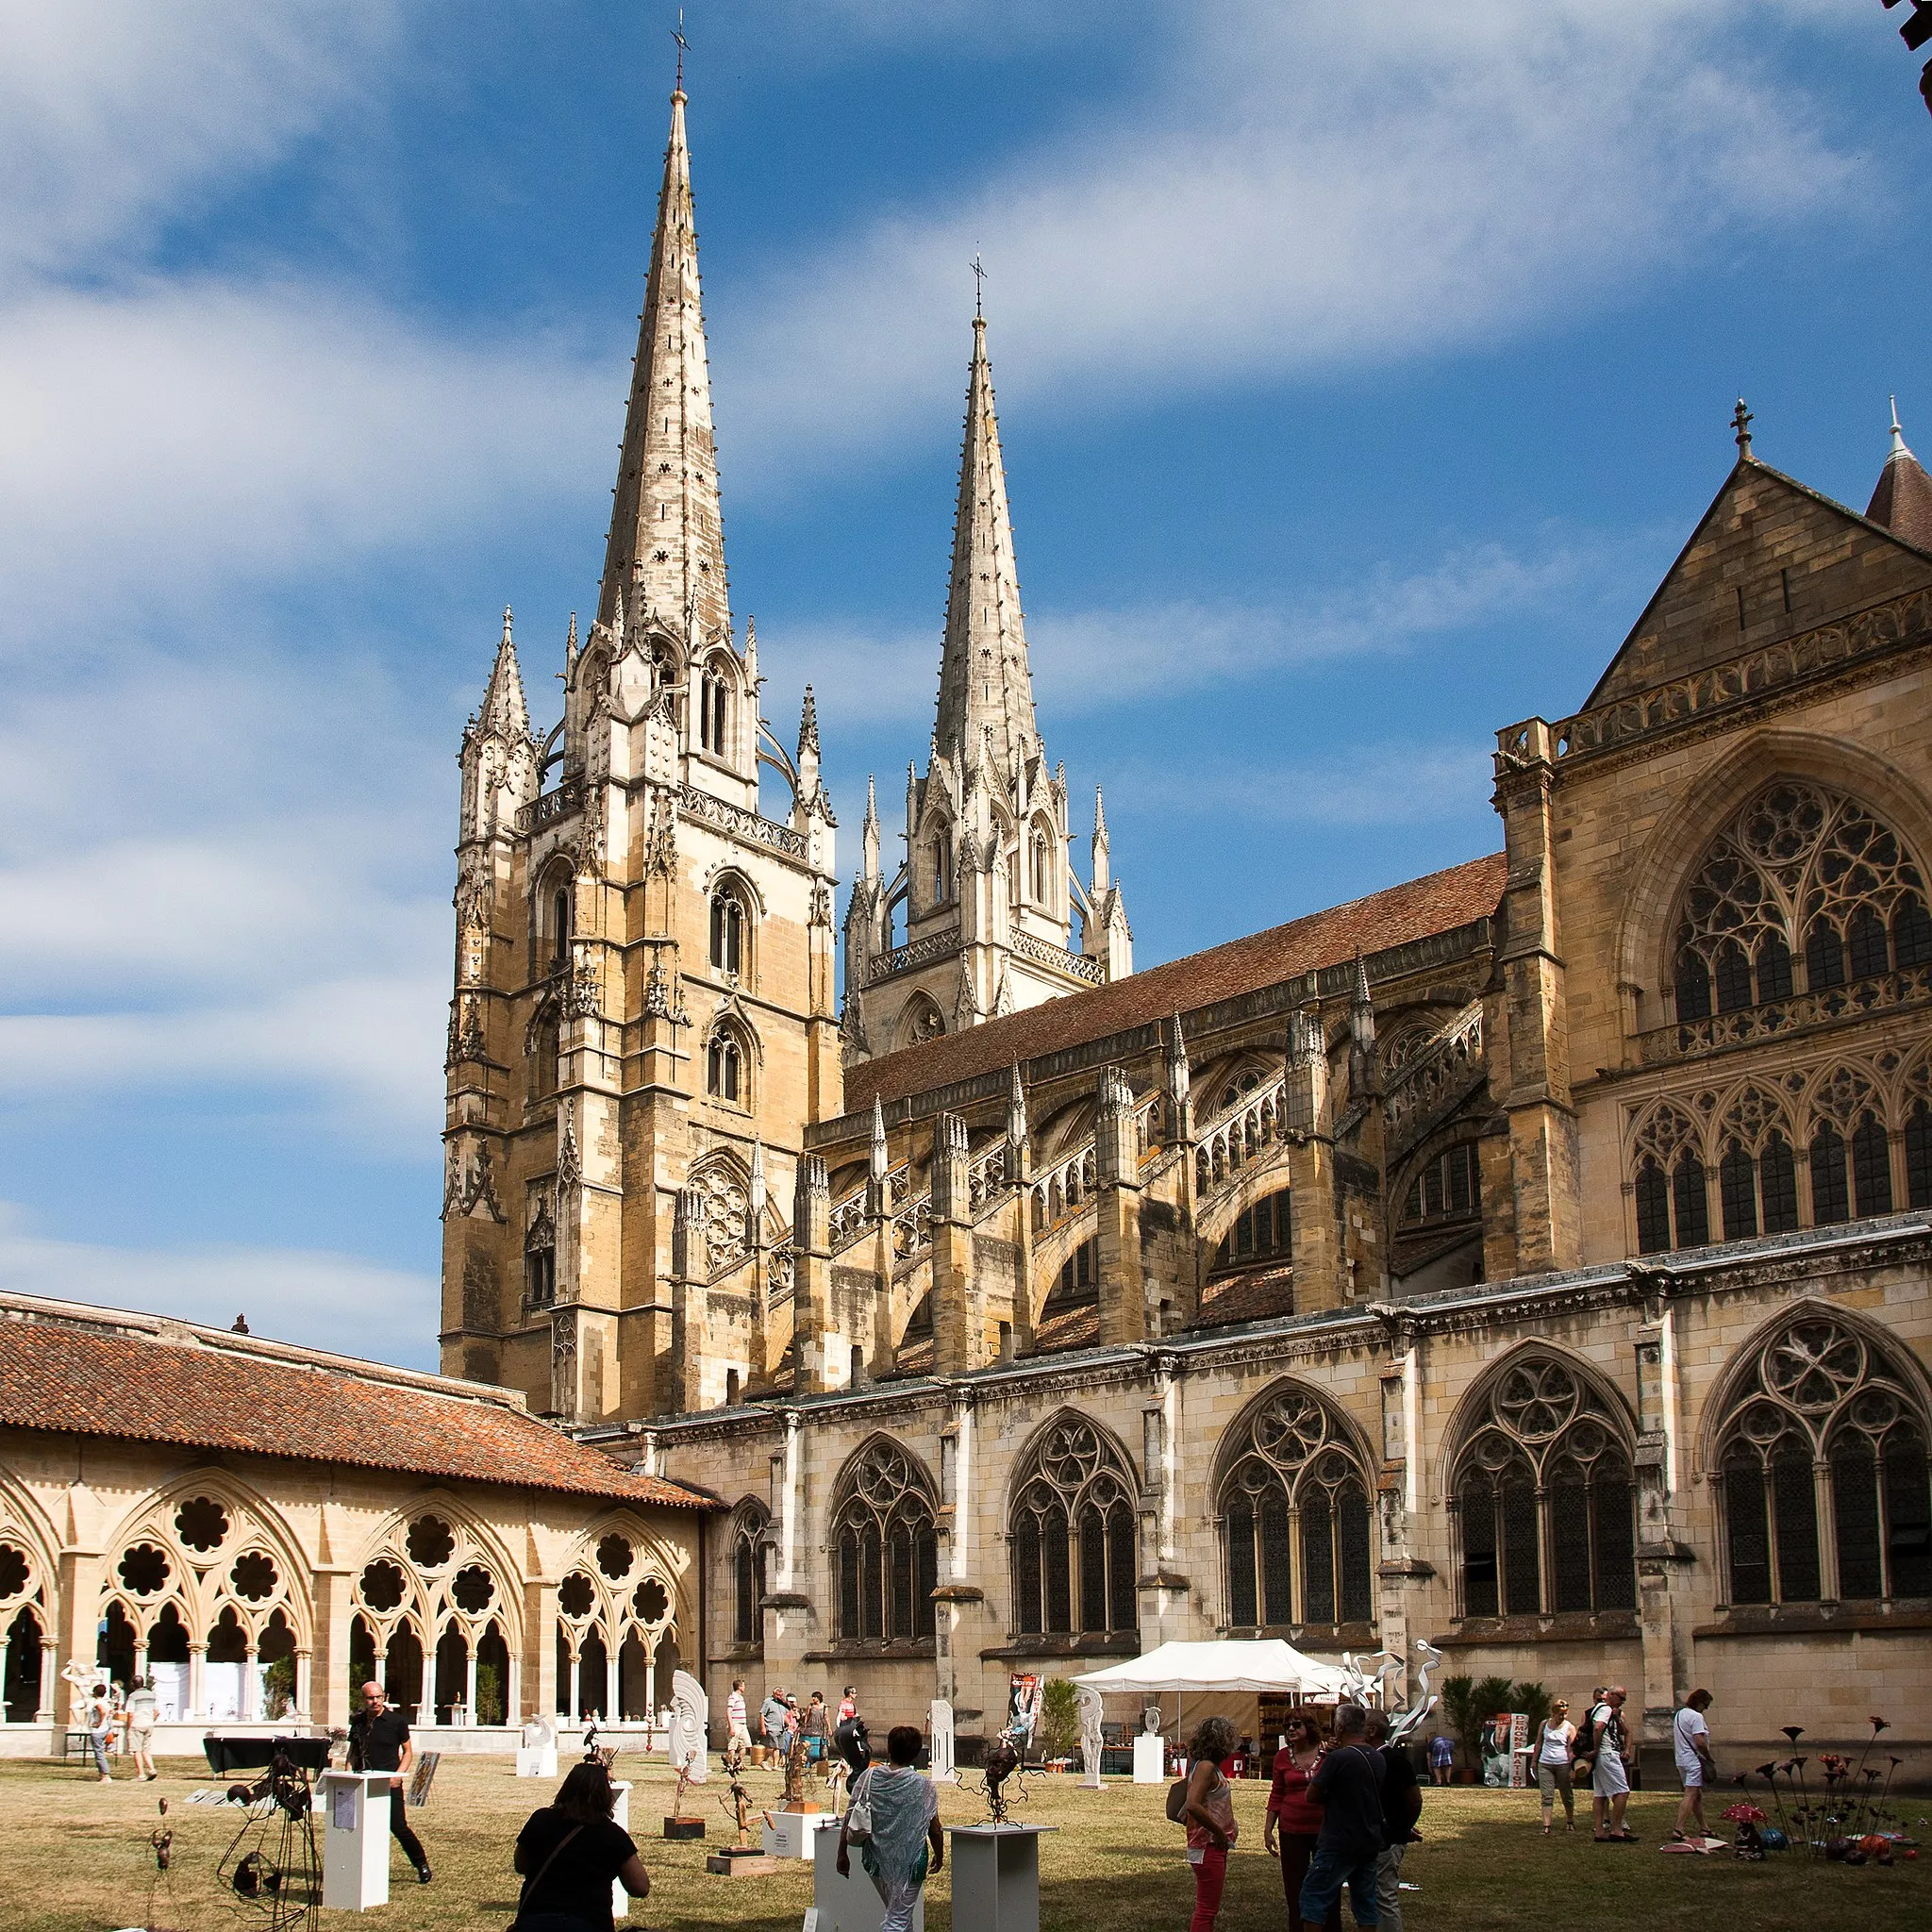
column 74, row 1857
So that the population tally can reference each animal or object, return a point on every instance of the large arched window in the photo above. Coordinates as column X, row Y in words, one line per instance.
column 1821, row 1429
column 1294, row 1517
column 1801, row 884
column 885, row 1550
column 730, row 928
column 1672, row 1201
column 714, row 715
column 724, row 1067
column 748, row 1573
column 1041, row 850
column 939, row 857
column 1261, row 1234
column 1544, row 1498
column 1074, row 1537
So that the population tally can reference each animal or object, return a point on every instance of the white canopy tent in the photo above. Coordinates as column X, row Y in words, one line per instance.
column 1235, row 1663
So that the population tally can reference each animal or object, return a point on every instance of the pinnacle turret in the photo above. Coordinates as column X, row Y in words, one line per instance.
column 1902, row 500
column 666, row 532
column 986, row 681
column 504, row 709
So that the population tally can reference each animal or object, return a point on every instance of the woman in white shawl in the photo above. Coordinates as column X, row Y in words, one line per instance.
column 905, row 1835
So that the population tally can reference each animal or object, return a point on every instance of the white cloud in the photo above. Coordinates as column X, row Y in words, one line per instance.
column 1395, row 783
column 289, row 1294
column 114, row 111
column 1298, row 187
column 181, row 436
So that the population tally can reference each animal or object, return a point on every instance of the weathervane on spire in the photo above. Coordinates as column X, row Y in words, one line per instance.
column 683, row 47
column 1741, row 422
column 978, row 287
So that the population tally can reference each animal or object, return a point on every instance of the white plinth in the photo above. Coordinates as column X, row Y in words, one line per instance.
column 996, row 1875
column 355, row 1846
column 1150, row 1759
column 789, row 1834
column 853, row 1904
column 536, row 1760
column 620, row 1816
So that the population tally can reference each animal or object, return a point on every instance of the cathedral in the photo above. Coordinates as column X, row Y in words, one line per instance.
column 1530, row 1258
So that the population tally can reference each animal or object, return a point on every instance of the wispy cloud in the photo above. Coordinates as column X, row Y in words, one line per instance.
column 1388, row 784
column 322, row 1300
column 1296, row 187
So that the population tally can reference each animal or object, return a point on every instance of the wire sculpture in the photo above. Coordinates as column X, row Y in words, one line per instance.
column 1003, row 1766
column 270, row 1869
column 160, row 1880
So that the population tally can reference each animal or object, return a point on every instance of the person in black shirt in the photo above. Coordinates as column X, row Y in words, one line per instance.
column 379, row 1740
column 1402, row 1804
column 569, row 1853
column 1348, row 1783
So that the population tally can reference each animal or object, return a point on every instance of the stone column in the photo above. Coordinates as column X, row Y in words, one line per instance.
column 513, row 1712
column 1307, row 1125
column 690, row 1302
column 959, row 1312
column 576, row 1687
column 470, row 1683
column 334, row 1615
column 197, row 1689
column 811, row 1275
column 1117, row 1178
column 50, row 1676
column 304, row 1673
column 250, row 1698
column 611, row 1714
column 1534, row 1087
column 1665, row 1610
column 82, row 1573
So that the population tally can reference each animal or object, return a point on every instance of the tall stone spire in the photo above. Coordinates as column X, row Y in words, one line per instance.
column 504, row 708
column 666, row 532
column 985, row 679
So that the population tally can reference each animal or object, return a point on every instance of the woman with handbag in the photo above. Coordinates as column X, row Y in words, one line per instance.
column 570, row 1852
column 894, row 1821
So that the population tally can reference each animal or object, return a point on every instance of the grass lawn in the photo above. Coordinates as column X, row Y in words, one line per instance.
column 75, row 1860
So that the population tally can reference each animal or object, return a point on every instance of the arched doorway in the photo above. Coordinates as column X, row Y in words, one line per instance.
column 20, row 1681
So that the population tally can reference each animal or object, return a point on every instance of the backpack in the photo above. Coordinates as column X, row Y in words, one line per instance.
column 1585, row 1740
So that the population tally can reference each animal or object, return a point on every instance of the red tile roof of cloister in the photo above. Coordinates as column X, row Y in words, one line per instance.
column 77, row 1372
column 1413, row 910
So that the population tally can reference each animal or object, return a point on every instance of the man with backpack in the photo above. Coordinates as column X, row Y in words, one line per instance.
column 1349, row 1784
column 1402, row 1804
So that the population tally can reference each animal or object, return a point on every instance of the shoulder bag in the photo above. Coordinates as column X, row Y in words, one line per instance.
column 859, row 1813
column 536, row 1877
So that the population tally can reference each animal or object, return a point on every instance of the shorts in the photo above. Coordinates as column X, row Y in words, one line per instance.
column 1609, row 1779
column 814, row 1749
column 1691, row 1776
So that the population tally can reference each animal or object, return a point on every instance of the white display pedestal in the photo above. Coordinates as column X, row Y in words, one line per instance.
column 996, row 1875
column 853, row 1904
column 536, row 1760
column 620, row 1816
column 789, row 1834
column 1150, row 1759
column 355, row 1846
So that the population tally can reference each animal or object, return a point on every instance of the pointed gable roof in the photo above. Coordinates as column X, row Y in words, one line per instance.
column 504, row 709
column 1765, row 536
column 667, row 530
column 985, row 680
column 1902, row 500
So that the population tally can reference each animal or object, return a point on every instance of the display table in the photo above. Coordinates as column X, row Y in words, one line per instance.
column 853, row 1904
column 355, row 1847
column 996, row 1875
column 620, row 1816
column 1150, row 1759
column 789, row 1834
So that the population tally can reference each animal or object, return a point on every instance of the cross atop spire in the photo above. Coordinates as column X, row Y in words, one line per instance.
column 1741, row 422
column 986, row 682
column 666, row 549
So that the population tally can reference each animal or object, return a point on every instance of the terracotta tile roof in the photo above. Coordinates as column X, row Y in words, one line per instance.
column 1077, row 1327
column 1260, row 1294
column 1414, row 910
column 122, row 1376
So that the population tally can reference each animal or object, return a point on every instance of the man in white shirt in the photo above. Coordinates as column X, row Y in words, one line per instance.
column 1691, row 1741
column 738, row 1733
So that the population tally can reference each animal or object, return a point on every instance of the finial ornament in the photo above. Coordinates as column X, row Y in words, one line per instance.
column 1741, row 422
column 1898, row 435
column 978, row 287
column 683, row 47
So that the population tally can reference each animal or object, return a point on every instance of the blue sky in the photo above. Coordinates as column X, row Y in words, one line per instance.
column 1360, row 370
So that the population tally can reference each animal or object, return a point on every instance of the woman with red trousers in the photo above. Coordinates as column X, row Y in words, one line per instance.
column 1293, row 1816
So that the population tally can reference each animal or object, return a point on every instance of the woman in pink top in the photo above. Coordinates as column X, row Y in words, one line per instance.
column 1210, row 1818
column 1295, row 1815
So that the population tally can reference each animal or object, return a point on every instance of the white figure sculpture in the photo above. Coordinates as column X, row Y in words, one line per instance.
column 537, row 1750
column 940, row 1716
column 1088, row 1698
column 689, row 1729
column 1412, row 1719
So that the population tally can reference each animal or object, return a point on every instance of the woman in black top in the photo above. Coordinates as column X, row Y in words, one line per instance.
column 570, row 1852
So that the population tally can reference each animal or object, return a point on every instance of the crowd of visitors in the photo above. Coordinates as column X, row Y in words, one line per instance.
column 781, row 1720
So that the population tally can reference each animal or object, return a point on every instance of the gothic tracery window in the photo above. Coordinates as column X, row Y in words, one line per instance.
column 1802, row 877
column 1544, row 1497
column 539, row 1260
column 1294, row 1517
column 1449, row 1187
column 1261, row 1233
column 729, row 923
column 724, row 1071
column 713, row 714
column 1822, row 1430
column 886, row 1547
column 748, row 1573
column 1075, row 1539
